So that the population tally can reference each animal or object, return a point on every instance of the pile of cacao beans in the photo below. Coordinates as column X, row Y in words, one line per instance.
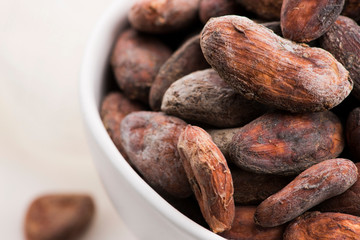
column 243, row 114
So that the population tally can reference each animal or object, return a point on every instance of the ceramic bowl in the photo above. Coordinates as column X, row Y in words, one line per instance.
column 145, row 212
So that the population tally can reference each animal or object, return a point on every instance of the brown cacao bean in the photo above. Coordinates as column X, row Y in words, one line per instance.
column 209, row 177
column 187, row 59
column 287, row 144
column 114, row 108
column 136, row 59
column 163, row 16
column 316, row 225
column 306, row 20
column 150, row 140
column 272, row 70
column 222, row 138
column 244, row 227
column 316, row 184
column 204, row 97
column 343, row 41
column 347, row 202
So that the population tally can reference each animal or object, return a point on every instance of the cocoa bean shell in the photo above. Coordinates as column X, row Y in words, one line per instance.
column 150, row 140
column 347, row 202
column 272, row 70
column 316, row 184
column 217, row 8
column 59, row 216
column 163, row 16
column 204, row 97
column 114, row 107
column 342, row 40
column 209, row 177
column 287, row 144
column 316, row 225
column 222, row 138
column 244, row 227
column 187, row 59
column 136, row 60
column 304, row 21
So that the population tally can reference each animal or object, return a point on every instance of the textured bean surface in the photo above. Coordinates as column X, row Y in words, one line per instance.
column 209, row 176
column 150, row 140
column 58, row 216
column 316, row 225
column 316, row 184
column 272, row 70
column 347, row 202
column 306, row 20
column 136, row 59
column 244, row 227
column 204, row 97
column 187, row 59
column 222, row 138
column 343, row 41
column 287, row 144
column 115, row 106
column 163, row 16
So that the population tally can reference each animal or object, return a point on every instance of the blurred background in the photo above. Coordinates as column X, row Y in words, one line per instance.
column 43, row 148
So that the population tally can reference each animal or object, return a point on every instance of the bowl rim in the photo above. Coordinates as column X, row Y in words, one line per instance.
column 102, row 34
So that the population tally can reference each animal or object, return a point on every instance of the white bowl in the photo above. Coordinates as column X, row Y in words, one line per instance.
column 145, row 212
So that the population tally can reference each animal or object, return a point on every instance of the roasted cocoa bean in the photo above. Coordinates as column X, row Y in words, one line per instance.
column 58, row 216
column 187, row 59
column 272, row 70
column 244, row 227
column 347, row 202
column 136, row 59
column 163, row 16
column 150, row 140
column 222, row 138
column 287, row 144
column 209, row 177
column 306, row 20
column 115, row 106
column 343, row 41
column 316, row 184
column 204, row 97
column 316, row 225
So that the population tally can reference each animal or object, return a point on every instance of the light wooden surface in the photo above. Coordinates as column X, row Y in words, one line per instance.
column 42, row 141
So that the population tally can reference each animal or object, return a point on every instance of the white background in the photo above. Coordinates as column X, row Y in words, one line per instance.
column 42, row 141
